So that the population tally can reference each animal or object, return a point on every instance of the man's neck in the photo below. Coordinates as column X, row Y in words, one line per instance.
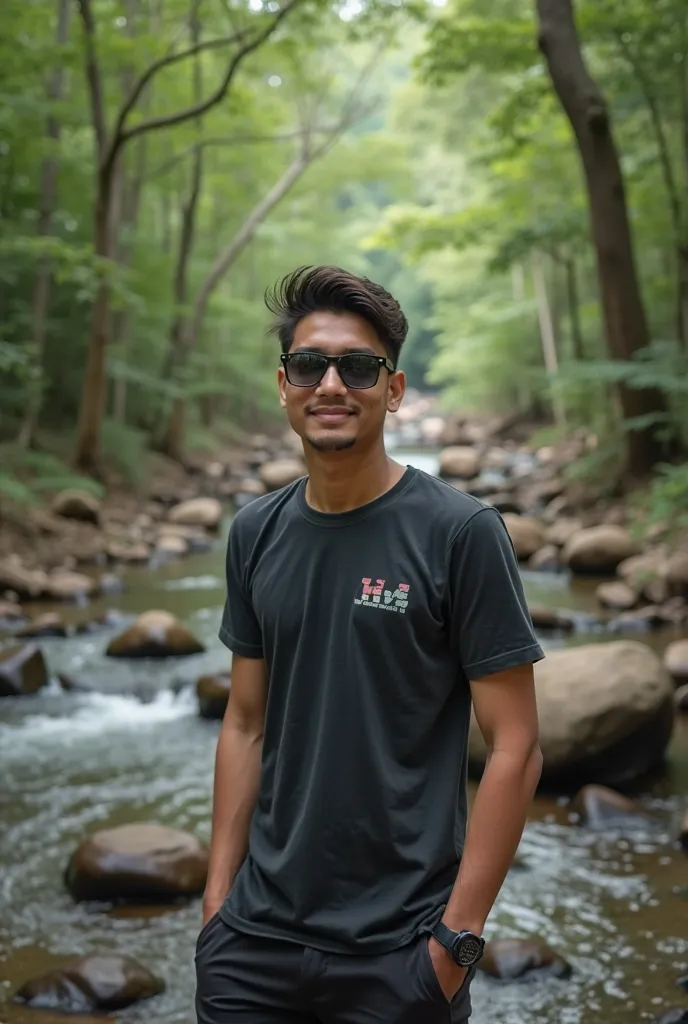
column 341, row 481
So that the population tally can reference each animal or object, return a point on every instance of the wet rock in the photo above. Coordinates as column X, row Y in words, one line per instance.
column 599, row 808
column 562, row 529
column 127, row 551
column 551, row 618
column 459, row 461
column 22, row 670
column 171, row 545
column 527, row 535
column 71, row 685
column 281, row 472
column 683, row 982
column 598, row 549
column 676, row 661
column 27, row 584
column 639, row 571
column 249, row 485
column 143, row 862
column 616, row 595
column 205, row 512
column 48, row 624
column 74, row 504
column 69, row 586
column 521, row 959
column 155, row 634
column 681, row 699
column 546, row 559
column 673, row 1017
column 497, row 458
column 100, row 981
column 606, row 715
column 212, row 692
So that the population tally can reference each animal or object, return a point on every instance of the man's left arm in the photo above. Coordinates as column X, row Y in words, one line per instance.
column 497, row 647
column 505, row 709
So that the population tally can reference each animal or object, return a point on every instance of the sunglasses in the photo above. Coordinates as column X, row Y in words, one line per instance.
column 356, row 370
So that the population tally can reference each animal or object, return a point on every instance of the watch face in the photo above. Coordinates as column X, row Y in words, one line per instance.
column 468, row 951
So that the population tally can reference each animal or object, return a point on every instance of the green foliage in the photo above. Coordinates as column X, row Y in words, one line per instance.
column 662, row 509
column 27, row 477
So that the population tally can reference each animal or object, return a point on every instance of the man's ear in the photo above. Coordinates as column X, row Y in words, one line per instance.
column 282, row 385
column 395, row 390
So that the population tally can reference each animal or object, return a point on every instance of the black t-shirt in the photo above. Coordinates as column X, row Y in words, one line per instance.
column 371, row 623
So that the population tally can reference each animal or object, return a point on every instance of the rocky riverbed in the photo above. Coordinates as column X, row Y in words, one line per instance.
column 599, row 897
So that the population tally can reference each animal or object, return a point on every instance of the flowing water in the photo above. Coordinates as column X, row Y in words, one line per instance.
column 135, row 749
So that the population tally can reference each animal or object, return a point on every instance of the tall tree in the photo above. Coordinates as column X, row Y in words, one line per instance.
column 624, row 314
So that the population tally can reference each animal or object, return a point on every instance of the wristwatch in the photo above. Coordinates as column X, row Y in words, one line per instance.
column 465, row 948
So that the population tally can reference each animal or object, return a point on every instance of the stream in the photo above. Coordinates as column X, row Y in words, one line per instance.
column 134, row 749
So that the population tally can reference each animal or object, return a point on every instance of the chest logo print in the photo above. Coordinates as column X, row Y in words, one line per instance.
column 373, row 595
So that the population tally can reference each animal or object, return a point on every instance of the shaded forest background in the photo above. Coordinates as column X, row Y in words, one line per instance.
column 518, row 181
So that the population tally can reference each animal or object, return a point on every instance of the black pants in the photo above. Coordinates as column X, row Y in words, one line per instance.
column 247, row 980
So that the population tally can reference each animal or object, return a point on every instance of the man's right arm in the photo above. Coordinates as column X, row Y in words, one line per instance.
column 237, row 775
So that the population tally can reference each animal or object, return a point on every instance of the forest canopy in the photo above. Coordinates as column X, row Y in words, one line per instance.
column 515, row 173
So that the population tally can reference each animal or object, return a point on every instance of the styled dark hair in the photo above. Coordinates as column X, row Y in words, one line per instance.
column 314, row 289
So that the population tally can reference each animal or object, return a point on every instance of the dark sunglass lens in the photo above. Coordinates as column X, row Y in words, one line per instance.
column 304, row 369
column 359, row 371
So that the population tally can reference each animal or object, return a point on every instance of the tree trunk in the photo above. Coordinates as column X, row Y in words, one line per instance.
column 577, row 346
column 172, row 441
column 94, row 388
column 547, row 338
column 43, row 284
column 624, row 316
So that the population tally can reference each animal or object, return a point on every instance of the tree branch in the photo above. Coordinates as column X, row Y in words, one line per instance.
column 163, row 62
column 233, row 140
column 93, row 78
column 197, row 109
column 660, row 135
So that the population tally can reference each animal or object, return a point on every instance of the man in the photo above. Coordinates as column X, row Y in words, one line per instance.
column 368, row 605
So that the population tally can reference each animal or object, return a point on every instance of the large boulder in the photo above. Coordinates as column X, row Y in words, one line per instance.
column 205, row 512
column 143, row 863
column 22, row 670
column 598, row 549
column 212, row 692
column 646, row 573
column 155, row 634
column 101, row 982
column 527, row 535
column 281, row 472
column 75, row 504
column 459, row 461
column 606, row 715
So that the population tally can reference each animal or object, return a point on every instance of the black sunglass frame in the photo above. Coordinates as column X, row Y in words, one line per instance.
column 381, row 361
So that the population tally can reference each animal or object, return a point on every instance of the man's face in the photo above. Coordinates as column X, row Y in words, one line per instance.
column 329, row 415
